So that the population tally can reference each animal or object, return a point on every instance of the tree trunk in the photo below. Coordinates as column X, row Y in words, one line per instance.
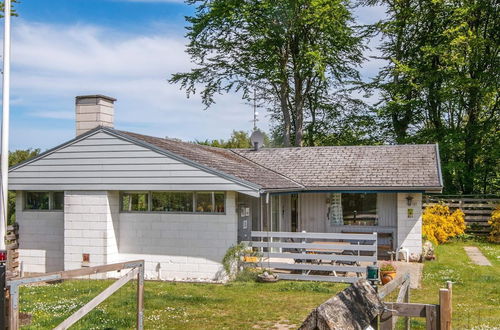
column 286, row 114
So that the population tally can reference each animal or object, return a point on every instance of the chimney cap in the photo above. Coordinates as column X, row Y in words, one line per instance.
column 96, row 96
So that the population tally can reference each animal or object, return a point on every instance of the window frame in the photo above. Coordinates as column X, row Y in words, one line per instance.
column 193, row 193
column 358, row 222
column 51, row 201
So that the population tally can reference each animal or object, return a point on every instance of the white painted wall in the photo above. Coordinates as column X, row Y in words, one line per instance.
column 41, row 238
column 179, row 246
column 410, row 228
column 90, row 226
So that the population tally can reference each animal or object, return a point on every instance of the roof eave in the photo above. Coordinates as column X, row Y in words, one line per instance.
column 426, row 189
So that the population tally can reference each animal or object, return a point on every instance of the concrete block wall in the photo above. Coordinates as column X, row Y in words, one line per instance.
column 179, row 246
column 90, row 224
column 41, row 238
column 410, row 228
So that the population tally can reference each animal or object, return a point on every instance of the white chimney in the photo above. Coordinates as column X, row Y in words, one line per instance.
column 93, row 111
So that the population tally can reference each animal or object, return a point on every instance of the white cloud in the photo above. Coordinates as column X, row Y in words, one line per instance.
column 51, row 64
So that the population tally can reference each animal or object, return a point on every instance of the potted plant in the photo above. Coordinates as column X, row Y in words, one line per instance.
column 387, row 272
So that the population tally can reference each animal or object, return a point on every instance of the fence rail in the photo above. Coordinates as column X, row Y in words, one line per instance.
column 477, row 210
column 136, row 271
column 333, row 257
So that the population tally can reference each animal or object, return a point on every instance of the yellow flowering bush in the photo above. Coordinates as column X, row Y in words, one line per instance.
column 495, row 226
column 439, row 224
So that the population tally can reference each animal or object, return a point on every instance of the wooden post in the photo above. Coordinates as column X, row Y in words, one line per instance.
column 431, row 317
column 14, row 307
column 406, row 299
column 445, row 309
column 140, row 298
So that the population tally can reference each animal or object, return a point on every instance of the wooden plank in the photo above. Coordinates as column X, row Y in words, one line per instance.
column 392, row 285
column 431, row 317
column 409, row 309
column 321, row 278
column 335, row 236
column 97, row 300
column 445, row 309
column 309, row 266
column 67, row 274
column 313, row 246
column 324, row 257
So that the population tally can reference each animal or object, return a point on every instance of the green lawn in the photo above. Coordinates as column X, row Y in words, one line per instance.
column 241, row 305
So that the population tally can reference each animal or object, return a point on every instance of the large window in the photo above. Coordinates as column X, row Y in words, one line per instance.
column 359, row 209
column 44, row 200
column 173, row 201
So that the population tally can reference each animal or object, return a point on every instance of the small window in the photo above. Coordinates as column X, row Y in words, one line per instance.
column 172, row 201
column 135, row 201
column 204, row 202
column 37, row 200
column 219, row 198
column 58, row 200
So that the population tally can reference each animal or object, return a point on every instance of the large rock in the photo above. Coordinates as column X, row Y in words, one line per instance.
column 352, row 308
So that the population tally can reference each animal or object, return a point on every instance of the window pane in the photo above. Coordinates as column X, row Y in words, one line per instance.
column 37, row 200
column 359, row 209
column 58, row 200
column 219, row 202
column 204, row 202
column 172, row 201
column 134, row 201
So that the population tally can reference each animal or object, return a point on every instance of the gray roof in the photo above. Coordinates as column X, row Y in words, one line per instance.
column 387, row 167
column 221, row 160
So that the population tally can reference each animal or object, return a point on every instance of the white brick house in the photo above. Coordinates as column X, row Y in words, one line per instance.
column 109, row 195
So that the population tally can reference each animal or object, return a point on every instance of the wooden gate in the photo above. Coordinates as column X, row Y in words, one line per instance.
column 333, row 257
column 136, row 271
column 437, row 317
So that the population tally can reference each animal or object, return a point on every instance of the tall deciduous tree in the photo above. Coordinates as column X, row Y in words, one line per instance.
column 441, row 84
column 290, row 51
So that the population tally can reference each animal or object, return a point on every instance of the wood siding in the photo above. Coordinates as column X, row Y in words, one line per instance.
column 105, row 162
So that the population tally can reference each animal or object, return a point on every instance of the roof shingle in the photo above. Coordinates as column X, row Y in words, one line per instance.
column 385, row 167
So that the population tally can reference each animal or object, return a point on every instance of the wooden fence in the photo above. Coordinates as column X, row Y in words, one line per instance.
column 333, row 257
column 477, row 210
column 437, row 317
column 136, row 271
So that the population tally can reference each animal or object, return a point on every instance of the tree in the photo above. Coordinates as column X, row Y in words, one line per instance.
column 13, row 11
column 293, row 53
column 16, row 157
column 238, row 140
column 441, row 84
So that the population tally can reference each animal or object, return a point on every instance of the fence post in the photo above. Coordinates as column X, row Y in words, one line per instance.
column 445, row 308
column 304, row 240
column 406, row 299
column 14, row 307
column 140, row 298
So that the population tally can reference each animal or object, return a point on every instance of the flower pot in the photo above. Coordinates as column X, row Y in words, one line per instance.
column 387, row 276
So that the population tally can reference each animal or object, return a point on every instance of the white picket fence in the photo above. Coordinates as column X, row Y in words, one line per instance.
column 333, row 257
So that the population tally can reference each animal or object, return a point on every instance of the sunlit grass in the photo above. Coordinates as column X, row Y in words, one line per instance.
column 244, row 305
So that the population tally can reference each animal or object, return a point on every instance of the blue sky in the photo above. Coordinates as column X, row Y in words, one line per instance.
column 126, row 49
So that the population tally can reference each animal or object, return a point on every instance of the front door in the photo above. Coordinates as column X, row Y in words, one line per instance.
column 244, row 222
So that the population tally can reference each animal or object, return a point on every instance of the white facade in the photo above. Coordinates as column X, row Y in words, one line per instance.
column 410, row 224
column 175, row 246
column 41, row 238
